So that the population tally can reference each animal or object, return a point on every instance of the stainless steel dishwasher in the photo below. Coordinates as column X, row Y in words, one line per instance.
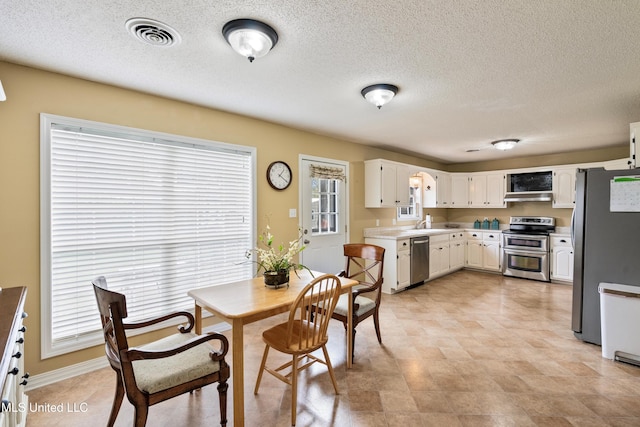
column 419, row 259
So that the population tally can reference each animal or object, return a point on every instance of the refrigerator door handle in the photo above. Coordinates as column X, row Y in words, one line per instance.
column 573, row 229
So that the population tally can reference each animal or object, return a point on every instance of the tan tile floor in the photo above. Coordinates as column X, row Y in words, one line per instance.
column 469, row 349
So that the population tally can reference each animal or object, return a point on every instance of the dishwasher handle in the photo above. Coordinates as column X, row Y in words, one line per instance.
column 419, row 242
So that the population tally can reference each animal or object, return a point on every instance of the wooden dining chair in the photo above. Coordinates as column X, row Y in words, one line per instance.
column 163, row 369
column 303, row 333
column 364, row 263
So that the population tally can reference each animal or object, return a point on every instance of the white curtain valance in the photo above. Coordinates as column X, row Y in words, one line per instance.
column 327, row 172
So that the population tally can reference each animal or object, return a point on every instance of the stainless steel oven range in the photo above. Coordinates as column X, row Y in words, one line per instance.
column 526, row 247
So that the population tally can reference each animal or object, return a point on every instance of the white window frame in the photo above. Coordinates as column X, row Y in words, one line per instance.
column 48, row 347
column 414, row 210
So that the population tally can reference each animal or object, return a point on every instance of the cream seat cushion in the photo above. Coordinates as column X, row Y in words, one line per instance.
column 365, row 304
column 160, row 374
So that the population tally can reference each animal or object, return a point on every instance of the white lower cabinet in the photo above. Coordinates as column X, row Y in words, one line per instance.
column 474, row 249
column 491, row 252
column 446, row 253
column 403, row 264
column 456, row 250
column 561, row 258
column 438, row 255
column 397, row 263
column 484, row 250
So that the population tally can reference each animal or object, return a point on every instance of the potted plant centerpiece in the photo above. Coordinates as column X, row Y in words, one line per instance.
column 276, row 261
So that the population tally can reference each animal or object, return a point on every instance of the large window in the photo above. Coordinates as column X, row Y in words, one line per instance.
column 155, row 214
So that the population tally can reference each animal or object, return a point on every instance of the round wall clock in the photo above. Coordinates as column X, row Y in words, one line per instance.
column 279, row 175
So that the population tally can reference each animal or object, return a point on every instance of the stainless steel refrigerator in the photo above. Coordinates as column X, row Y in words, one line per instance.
column 606, row 237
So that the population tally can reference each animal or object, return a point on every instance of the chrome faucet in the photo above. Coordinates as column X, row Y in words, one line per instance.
column 421, row 224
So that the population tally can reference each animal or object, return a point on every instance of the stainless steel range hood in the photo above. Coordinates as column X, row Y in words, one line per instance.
column 528, row 196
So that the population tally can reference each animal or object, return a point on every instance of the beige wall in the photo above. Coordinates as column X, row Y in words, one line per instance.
column 30, row 92
column 562, row 216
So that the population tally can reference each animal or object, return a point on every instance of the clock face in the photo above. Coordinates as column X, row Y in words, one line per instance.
column 279, row 175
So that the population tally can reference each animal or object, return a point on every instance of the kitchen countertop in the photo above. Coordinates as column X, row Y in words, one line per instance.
column 407, row 232
column 397, row 233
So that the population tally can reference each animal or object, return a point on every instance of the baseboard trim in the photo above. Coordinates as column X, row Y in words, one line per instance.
column 46, row 378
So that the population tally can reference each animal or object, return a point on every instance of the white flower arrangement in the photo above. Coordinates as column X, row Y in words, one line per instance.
column 272, row 258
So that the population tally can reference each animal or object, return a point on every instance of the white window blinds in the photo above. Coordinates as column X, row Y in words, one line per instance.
column 156, row 217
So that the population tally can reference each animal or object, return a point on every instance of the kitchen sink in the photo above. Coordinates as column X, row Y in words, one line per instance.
column 421, row 232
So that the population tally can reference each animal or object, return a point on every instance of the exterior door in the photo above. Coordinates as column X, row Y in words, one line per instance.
column 323, row 213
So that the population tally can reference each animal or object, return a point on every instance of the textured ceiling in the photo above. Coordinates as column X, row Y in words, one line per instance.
column 560, row 75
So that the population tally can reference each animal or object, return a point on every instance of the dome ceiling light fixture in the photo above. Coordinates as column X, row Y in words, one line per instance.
column 250, row 38
column 379, row 94
column 505, row 144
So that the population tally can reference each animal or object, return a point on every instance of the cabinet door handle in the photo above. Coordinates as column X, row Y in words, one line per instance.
column 563, row 241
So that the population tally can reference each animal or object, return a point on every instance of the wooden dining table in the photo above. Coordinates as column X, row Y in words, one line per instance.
column 247, row 301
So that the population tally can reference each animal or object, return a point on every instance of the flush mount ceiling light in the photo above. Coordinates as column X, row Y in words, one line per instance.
column 250, row 38
column 505, row 144
column 379, row 94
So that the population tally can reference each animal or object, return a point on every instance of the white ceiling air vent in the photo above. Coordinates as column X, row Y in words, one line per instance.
column 153, row 32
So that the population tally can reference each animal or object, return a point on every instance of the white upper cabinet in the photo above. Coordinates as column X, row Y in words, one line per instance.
column 459, row 190
column 443, row 190
column 477, row 190
column 496, row 188
column 564, row 187
column 386, row 184
column 403, row 174
column 486, row 190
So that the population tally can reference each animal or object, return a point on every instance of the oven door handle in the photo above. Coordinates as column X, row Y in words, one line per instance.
column 525, row 252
